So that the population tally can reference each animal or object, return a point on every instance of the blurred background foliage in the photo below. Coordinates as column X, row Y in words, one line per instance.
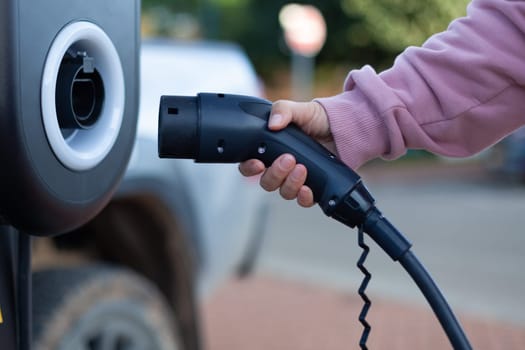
column 359, row 32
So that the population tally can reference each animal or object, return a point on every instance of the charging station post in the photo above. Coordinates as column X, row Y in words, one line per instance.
column 304, row 33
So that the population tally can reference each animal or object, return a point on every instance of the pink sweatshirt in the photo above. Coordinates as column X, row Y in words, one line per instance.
column 462, row 91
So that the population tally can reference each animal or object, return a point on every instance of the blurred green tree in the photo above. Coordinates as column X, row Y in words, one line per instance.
column 396, row 24
column 359, row 31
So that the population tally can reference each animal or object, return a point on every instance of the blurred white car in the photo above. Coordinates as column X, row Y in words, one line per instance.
column 181, row 228
column 227, row 206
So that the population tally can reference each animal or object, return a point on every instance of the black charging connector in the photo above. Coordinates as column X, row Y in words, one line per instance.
column 222, row 128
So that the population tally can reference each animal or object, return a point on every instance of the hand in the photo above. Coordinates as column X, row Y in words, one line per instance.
column 285, row 174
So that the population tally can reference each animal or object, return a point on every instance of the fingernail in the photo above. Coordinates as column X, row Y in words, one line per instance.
column 287, row 161
column 275, row 120
column 296, row 173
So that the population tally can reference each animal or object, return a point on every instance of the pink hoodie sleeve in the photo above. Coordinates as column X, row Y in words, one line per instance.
column 462, row 91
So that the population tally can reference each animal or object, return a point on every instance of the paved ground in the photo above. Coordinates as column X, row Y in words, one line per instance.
column 466, row 228
column 266, row 313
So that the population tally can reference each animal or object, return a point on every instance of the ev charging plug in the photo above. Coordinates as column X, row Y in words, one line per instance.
column 223, row 128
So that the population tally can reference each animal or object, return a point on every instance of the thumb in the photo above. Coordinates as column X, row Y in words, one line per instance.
column 281, row 114
column 284, row 112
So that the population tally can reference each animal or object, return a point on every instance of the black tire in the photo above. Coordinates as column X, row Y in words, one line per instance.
column 100, row 308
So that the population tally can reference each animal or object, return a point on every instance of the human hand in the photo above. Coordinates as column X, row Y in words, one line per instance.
column 284, row 173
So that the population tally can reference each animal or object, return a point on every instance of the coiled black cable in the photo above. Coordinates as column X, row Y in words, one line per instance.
column 362, row 288
column 395, row 245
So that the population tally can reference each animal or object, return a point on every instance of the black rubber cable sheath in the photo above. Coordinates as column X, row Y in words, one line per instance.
column 436, row 300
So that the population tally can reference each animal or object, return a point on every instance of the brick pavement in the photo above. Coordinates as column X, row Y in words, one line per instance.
column 265, row 313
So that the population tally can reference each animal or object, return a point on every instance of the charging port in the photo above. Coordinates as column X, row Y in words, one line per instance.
column 82, row 95
column 79, row 92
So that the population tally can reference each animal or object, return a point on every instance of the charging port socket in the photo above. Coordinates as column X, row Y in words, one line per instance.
column 82, row 95
column 79, row 91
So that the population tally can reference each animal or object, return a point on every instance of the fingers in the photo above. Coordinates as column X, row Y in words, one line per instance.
column 289, row 178
column 293, row 182
column 275, row 175
column 251, row 167
column 305, row 197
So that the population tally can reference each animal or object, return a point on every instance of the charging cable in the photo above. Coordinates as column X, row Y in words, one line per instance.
column 222, row 128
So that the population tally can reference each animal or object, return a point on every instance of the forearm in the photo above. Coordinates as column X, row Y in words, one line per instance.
column 458, row 93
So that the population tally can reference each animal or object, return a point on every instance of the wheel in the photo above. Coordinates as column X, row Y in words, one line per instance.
column 100, row 308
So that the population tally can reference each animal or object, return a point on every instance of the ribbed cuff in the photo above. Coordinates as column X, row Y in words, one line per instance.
column 360, row 134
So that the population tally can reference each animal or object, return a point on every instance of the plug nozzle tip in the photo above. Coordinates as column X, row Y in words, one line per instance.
column 178, row 119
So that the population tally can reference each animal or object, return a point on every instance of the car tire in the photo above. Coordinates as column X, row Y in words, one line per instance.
column 100, row 307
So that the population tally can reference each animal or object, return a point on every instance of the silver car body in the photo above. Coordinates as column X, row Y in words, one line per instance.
column 222, row 212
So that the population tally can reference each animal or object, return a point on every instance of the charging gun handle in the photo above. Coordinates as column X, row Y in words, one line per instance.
column 222, row 128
